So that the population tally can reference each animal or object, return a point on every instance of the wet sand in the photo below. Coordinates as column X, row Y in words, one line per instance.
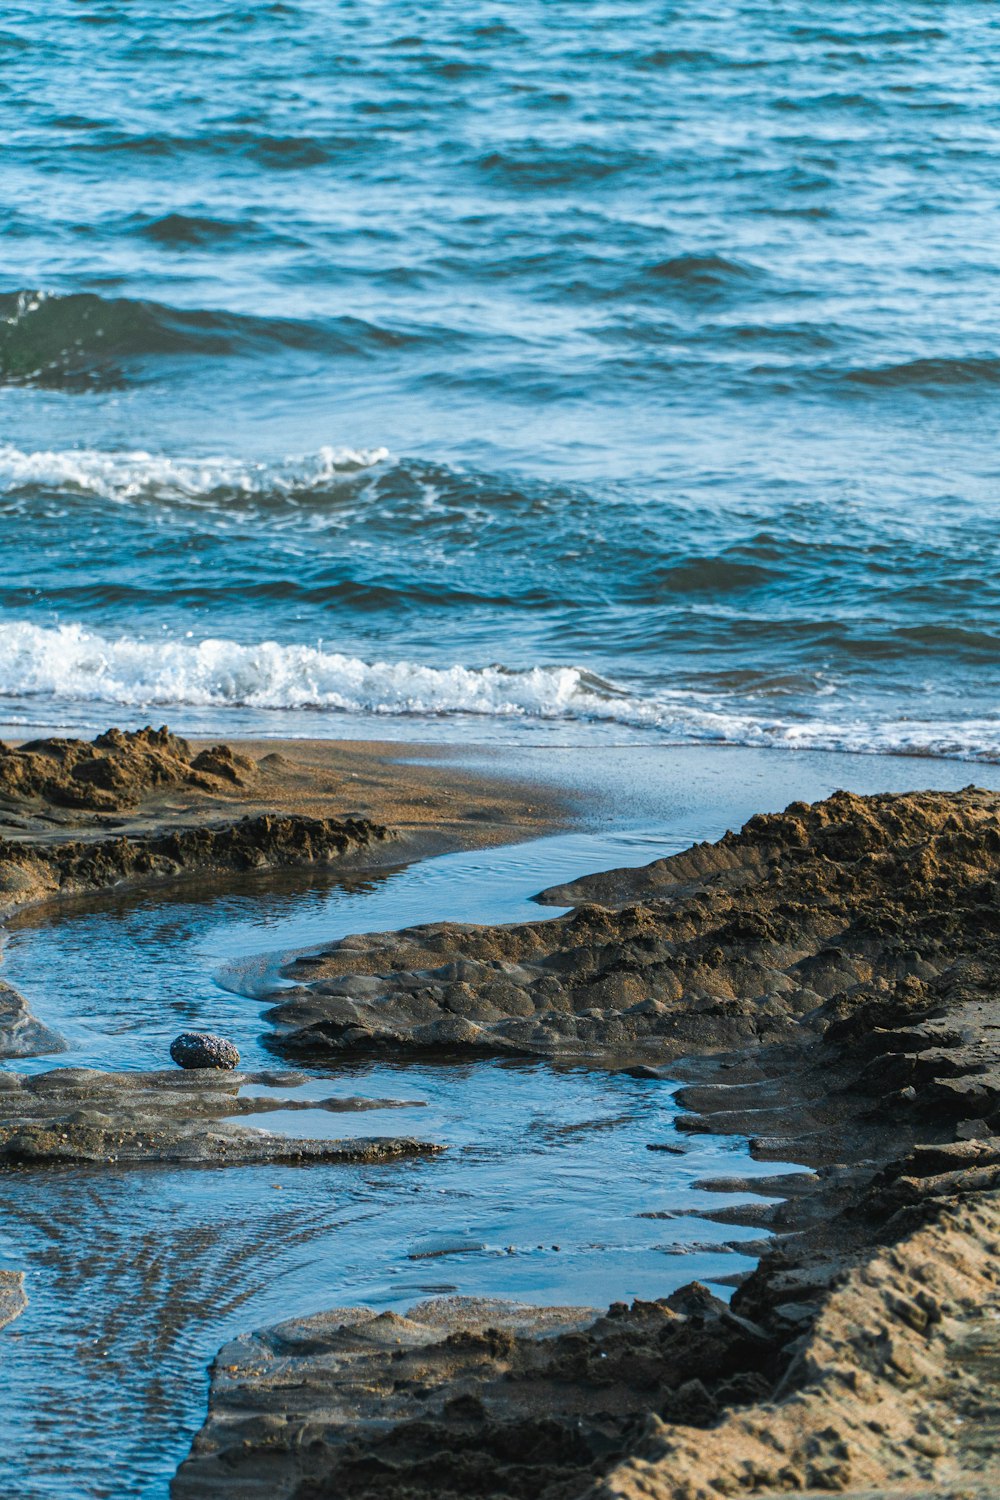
column 78, row 815
column 825, row 982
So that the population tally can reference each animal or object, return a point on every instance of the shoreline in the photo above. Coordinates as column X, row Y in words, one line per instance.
column 163, row 810
column 879, row 1179
column 898, row 1200
column 412, row 805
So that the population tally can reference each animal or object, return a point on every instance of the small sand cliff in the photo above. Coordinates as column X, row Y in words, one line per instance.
column 826, row 981
column 128, row 807
column 80, row 815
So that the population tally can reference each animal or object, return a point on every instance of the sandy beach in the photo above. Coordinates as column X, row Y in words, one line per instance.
column 821, row 983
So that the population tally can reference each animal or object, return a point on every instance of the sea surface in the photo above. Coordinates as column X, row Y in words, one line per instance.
column 528, row 370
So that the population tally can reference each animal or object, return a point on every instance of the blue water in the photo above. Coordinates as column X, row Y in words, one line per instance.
column 620, row 370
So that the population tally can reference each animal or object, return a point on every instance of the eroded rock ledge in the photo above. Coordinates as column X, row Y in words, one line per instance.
column 892, row 1385
column 76, row 1116
column 857, row 914
column 827, row 982
column 12, row 1298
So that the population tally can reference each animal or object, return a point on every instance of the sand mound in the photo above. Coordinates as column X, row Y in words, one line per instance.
column 116, row 770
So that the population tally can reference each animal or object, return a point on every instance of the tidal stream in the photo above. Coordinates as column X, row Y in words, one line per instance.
column 547, row 1192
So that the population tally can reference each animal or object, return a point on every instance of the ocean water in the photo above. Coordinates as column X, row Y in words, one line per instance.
column 530, row 370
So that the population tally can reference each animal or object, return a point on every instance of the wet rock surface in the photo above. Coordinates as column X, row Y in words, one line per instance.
column 12, row 1298
column 203, row 1049
column 21, row 1033
column 83, row 1116
column 856, row 915
column 826, row 981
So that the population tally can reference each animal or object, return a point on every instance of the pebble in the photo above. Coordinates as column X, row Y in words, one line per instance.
column 202, row 1049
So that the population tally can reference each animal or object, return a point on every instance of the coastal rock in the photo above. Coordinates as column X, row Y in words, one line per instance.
column 21, row 1035
column 80, row 816
column 458, row 1398
column 203, row 1049
column 12, row 1298
column 859, row 1411
column 864, row 912
column 81, row 1115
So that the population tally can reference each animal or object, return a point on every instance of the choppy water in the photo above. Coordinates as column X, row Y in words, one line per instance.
column 628, row 364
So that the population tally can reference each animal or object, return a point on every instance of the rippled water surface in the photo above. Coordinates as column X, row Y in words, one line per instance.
column 627, row 364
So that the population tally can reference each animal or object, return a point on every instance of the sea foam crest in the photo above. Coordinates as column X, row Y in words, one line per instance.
column 139, row 475
column 70, row 664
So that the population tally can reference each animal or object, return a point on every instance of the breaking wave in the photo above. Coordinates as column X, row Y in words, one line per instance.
column 140, row 475
column 70, row 664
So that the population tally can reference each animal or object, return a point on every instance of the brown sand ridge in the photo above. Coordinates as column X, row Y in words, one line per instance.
column 827, row 983
column 78, row 815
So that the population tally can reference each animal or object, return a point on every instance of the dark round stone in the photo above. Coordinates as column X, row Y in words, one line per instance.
column 201, row 1049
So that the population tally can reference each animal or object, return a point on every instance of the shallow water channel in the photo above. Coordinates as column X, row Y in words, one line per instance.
column 136, row 1277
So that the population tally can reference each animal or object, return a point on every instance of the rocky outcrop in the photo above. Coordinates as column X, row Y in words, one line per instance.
column 883, row 1387
column 868, row 913
column 79, row 1115
column 21, row 1035
column 826, row 981
column 902, row 1356
column 12, row 1298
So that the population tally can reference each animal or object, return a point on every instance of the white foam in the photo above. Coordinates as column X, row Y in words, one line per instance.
column 70, row 664
column 137, row 475
column 73, row 663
